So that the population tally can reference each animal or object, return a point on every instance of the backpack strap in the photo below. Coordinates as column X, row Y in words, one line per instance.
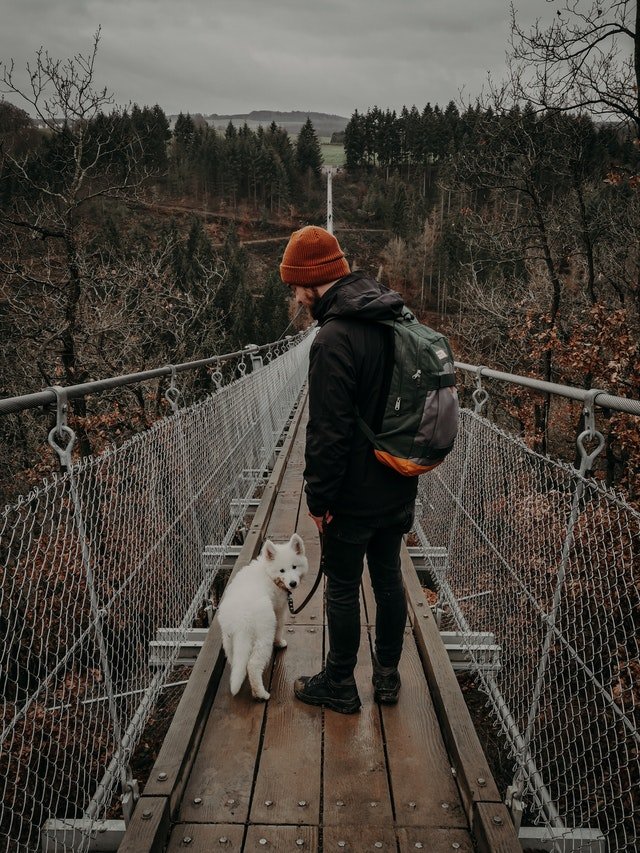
column 366, row 429
column 445, row 380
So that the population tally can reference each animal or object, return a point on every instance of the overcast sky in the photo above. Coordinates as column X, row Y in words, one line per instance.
column 234, row 56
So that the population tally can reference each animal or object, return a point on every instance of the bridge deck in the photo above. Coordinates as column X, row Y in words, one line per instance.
column 235, row 774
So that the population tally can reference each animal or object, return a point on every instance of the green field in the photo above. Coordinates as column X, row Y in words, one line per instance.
column 332, row 155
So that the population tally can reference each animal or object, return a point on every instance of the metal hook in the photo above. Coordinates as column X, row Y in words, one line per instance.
column 589, row 411
column 254, row 354
column 172, row 393
column 216, row 378
column 590, row 432
column 62, row 429
column 480, row 395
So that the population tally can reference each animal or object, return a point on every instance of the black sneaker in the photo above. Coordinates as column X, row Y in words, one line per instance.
column 321, row 690
column 386, row 684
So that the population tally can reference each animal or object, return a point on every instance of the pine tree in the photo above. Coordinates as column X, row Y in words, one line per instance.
column 273, row 312
column 243, row 319
column 183, row 135
column 308, row 152
column 354, row 142
column 399, row 211
column 234, row 259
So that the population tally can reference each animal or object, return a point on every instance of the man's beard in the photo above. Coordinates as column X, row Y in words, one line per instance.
column 316, row 301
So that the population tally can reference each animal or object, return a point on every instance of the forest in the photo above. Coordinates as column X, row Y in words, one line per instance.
column 127, row 244
column 520, row 231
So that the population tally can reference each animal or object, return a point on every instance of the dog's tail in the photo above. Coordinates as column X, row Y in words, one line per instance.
column 242, row 646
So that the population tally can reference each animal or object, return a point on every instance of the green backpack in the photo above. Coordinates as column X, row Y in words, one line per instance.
column 420, row 420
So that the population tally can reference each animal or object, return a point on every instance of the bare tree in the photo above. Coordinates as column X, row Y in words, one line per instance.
column 48, row 218
column 586, row 58
column 50, row 193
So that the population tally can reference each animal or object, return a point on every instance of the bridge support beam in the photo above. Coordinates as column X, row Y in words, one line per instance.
column 73, row 834
column 466, row 652
column 562, row 840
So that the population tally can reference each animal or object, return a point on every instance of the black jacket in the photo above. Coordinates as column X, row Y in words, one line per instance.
column 349, row 370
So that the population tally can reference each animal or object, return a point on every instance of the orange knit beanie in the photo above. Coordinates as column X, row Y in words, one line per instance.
column 313, row 256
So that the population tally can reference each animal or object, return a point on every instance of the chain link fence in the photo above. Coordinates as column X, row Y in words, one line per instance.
column 534, row 557
column 96, row 560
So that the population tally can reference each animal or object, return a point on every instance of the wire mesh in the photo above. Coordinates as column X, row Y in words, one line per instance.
column 546, row 561
column 95, row 561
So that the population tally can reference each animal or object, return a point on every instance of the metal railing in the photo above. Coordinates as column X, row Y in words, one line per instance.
column 543, row 560
column 97, row 559
column 537, row 556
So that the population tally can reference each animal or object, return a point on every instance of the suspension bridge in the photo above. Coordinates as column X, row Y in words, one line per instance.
column 112, row 572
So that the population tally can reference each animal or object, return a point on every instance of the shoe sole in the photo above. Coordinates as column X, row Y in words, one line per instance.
column 385, row 698
column 328, row 703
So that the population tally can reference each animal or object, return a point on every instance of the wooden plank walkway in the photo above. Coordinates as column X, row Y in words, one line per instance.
column 235, row 774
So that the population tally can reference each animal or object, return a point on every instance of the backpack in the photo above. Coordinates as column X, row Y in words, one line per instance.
column 420, row 420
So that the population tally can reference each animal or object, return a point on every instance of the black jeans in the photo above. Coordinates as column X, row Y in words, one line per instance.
column 346, row 541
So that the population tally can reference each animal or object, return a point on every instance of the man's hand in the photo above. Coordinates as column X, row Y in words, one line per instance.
column 319, row 520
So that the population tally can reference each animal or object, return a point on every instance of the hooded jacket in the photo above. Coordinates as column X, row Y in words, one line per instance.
column 350, row 368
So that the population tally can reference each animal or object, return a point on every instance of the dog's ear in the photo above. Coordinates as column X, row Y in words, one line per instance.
column 269, row 550
column 297, row 544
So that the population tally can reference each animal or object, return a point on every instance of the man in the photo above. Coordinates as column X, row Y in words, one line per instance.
column 360, row 506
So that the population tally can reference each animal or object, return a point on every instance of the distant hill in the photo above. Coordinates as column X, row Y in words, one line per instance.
column 324, row 123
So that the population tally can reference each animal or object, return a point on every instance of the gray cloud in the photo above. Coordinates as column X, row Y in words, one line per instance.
column 237, row 55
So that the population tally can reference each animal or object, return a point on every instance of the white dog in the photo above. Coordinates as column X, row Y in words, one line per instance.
column 252, row 610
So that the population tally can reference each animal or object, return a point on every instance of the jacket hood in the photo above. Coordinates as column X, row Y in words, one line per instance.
column 359, row 297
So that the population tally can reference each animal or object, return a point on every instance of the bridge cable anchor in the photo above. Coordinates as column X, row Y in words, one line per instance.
column 589, row 433
column 480, row 395
column 172, row 393
column 62, row 430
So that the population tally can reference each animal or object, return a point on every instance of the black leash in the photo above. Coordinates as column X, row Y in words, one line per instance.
column 316, row 583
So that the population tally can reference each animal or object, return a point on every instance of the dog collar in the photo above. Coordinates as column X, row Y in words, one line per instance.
column 282, row 585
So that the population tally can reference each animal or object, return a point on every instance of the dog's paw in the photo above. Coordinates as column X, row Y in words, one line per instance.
column 262, row 695
column 280, row 644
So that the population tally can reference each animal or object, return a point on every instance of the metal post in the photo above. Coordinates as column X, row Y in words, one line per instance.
column 256, row 357
column 329, row 200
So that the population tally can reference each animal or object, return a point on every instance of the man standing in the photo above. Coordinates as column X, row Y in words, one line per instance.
column 360, row 506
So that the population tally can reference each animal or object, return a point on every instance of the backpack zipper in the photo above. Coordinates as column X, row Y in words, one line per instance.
column 417, row 376
column 399, row 397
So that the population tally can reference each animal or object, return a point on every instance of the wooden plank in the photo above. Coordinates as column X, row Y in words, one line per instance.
column 281, row 839
column 285, row 516
column 474, row 777
column 287, row 506
column 148, row 828
column 180, row 745
column 314, row 611
column 493, row 830
column 424, row 790
column 355, row 785
column 204, row 838
column 433, row 840
column 177, row 754
column 359, row 839
column 289, row 770
column 221, row 781
column 287, row 789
